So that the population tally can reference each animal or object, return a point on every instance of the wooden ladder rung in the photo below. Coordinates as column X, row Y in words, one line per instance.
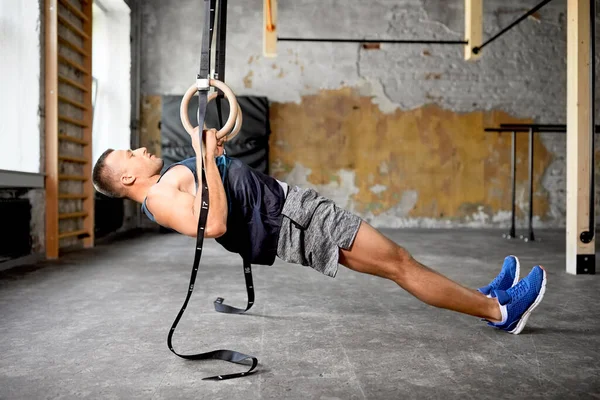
column 72, row 102
column 73, row 46
column 73, row 159
column 72, row 27
column 72, row 178
column 72, row 139
column 73, row 64
column 72, row 196
column 73, row 121
column 79, row 214
column 72, row 83
column 82, row 233
column 75, row 10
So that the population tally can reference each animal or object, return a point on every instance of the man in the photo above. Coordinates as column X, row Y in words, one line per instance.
column 259, row 217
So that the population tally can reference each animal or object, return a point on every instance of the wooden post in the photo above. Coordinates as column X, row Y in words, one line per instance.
column 580, row 256
column 88, row 187
column 473, row 27
column 51, row 127
column 270, row 28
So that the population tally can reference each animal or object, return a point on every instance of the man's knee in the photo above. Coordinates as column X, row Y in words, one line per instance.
column 398, row 261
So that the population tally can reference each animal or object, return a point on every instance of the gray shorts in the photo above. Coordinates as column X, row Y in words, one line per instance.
column 314, row 229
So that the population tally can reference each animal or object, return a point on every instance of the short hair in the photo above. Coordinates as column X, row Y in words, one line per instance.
column 104, row 177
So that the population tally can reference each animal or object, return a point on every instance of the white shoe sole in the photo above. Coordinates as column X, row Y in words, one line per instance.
column 537, row 301
column 517, row 272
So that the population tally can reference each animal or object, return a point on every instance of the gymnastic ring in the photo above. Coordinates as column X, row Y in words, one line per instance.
column 233, row 108
column 238, row 119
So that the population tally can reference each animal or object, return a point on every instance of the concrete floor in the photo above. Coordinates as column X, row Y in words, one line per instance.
column 94, row 325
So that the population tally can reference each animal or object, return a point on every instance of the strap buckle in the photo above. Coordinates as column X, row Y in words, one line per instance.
column 203, row 84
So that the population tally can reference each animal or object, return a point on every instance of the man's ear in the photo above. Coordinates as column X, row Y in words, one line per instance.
column 127, row 180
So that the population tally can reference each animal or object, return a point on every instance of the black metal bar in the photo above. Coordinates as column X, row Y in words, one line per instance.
column 204, row 70
column 513, row 168
column 220, row 52
column 393, row 41
column 500, row 130
column 522, row 129
column 535, row 126
column 531, row 237
column 207, row 39
column 588, row 236
column 477, row 49
column 541, row 126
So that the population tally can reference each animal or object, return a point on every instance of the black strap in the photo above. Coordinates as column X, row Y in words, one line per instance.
column 224, row 355
column 209, row 17
column 224, row 308
column 209, row 22
column 220, row 55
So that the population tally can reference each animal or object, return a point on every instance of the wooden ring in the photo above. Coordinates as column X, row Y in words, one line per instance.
column 238, row 119
column 234, row 109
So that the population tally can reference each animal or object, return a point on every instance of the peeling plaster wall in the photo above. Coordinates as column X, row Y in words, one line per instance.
column 522, row 74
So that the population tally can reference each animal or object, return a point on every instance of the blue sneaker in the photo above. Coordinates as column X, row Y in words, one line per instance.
column 517, row 303
column 507, row 278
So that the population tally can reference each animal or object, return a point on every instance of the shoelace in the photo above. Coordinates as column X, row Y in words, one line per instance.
column 519, row 289
column 498, row 279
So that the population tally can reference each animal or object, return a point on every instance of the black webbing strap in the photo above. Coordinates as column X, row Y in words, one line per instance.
column 220, row 55
column 224, row 355
column 224, row 308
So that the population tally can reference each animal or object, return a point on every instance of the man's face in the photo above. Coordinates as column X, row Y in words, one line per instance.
column 134, row 164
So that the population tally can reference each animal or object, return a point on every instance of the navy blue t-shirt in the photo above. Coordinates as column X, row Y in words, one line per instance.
column 255, row 202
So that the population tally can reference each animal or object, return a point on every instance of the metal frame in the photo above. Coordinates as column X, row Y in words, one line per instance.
column 477, row 49
column 391, row 41
column 531, row 129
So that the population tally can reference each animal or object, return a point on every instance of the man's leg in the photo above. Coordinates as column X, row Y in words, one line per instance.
column 374, row 254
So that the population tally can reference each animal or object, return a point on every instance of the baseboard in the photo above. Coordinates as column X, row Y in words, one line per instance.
column 30, row 259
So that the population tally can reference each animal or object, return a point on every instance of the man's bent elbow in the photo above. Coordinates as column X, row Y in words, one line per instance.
column 215, row 231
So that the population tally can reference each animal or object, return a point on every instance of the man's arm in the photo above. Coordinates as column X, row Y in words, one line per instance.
column 217, row 212
column 179, row 210
column 174, row 209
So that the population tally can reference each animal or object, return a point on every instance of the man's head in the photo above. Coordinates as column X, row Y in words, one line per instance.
column 117, row 171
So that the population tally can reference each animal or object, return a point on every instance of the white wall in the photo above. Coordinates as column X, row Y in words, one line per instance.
column 111, row 65
column 20, row 85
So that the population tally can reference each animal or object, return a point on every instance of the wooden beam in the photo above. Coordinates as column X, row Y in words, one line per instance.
column 73, row 64
column 51, row 127
column 71, row 82
column 580, row 256
column 73, row 121
column 73, row 215
column 72, row 102
column 473, row 27
column 77, row 160
column 73, row 178
column 71, row 196
column 73, row 139
column 73, row 28
column 72, row 46
column 270, row 28
column 81, row 233
column 74, row 10
column 88, row 187
column 150, row 116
